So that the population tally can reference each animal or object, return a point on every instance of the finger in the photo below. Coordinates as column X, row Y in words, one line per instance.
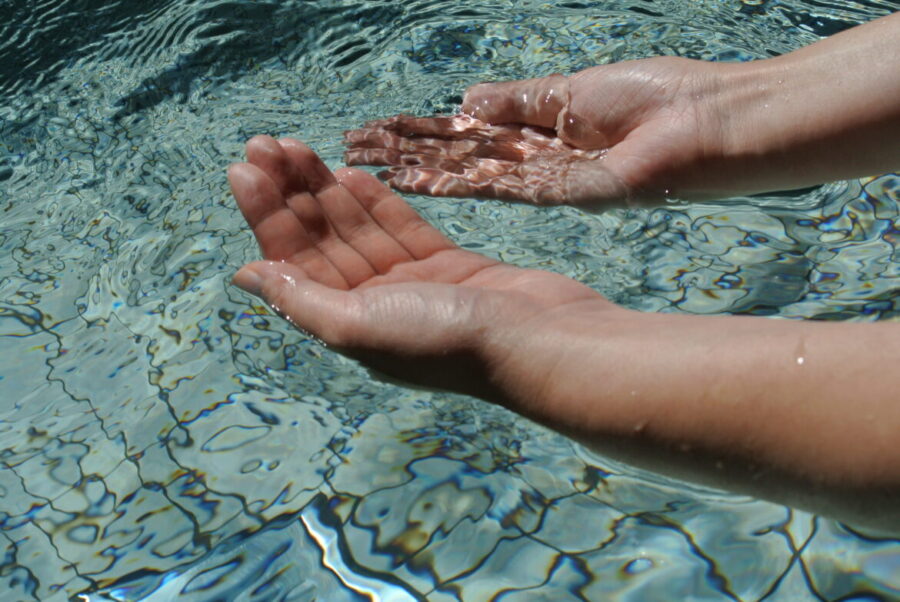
column 505, row 185
column 369, row 138
column 376, row 156
column 308, row 202
column 507, row 149
column 460, row 127
column 430, row 129
column 351, row 224
column 392, row 158
column 265, row 153
column 278, row 231
column 495, row 142
column 327, row 313
column 256, row 194
column 300, row 176
column 532, row 101
column 382, row 123
column 528, row 149
column 588, row 184
column 316, row 174
column 393, row 215
column 456, row 127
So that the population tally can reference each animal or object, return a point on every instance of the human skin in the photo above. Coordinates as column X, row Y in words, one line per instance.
column 637, row 132
column 799, row 412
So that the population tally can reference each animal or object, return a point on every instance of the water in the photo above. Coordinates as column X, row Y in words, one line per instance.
column 165, row 437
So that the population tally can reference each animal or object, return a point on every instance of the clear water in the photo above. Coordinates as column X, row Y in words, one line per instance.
column 165, row 437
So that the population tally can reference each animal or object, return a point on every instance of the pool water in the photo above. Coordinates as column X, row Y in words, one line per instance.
column 165, row 437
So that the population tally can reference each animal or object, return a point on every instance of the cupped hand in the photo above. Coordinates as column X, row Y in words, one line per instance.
column 350, row 262
column 610, row 135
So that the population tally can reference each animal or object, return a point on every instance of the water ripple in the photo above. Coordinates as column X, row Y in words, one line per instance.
column 163, row 436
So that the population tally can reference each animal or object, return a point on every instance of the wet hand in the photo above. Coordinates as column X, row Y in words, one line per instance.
column 350, row 262
column 610, row 135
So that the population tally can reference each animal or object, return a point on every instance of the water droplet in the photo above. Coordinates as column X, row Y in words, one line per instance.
column 670, row 198
column 638, row 565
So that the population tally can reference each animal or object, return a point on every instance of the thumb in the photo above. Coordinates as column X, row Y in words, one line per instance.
column 529, row 101
column 324, row 312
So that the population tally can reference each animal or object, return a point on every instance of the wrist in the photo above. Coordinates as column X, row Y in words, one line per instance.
column 758, row 120
column 557, row 367
column 822, row 113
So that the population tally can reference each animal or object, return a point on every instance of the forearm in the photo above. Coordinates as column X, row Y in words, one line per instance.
column 828, row 111
column 804, row 413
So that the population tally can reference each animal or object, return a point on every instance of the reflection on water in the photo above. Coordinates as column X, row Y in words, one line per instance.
column 163, row 436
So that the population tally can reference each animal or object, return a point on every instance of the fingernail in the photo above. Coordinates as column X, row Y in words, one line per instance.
column 249, row 280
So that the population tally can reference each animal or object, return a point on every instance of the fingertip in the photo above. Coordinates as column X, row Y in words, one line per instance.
column 251, row 277
column 408, row 179
column 240, row 176
column 248, row 280
column 264, row 152
column 476, row 100
column 531, row 101
column 256, row 276
column 288, row 142
column 362, row 184
column 260, row 142
column 233, row 170
column 315, row 174
column 233, row 175
column 355, row 136
column 345, row 174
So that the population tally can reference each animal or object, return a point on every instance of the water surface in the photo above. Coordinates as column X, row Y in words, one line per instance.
column 165, row 437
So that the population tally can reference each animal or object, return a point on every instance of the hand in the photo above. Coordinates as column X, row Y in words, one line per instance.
column 716, row 399
column 614, row 134
column 640, row 131
column 353, row 264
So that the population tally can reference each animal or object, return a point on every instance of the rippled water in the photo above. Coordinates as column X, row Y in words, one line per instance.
column 165, row 437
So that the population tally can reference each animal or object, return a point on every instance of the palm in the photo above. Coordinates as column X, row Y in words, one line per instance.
column 355, row 265
column 604, row 135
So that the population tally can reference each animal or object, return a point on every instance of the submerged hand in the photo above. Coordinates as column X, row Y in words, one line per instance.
column 353, row 264
column 640, row 131
column 607, row 135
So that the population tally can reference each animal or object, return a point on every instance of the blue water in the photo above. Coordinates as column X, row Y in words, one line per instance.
column 163, row 436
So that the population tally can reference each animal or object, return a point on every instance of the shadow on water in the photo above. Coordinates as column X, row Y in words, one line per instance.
column 42, row 41
column 228, row 36
column 245, row 33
